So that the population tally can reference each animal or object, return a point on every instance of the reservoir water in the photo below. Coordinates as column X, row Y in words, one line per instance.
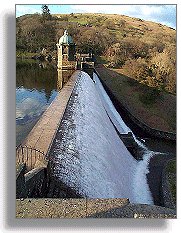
column 36, row 87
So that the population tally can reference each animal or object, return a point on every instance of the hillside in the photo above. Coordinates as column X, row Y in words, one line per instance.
column 156, row 109
column 143, row 50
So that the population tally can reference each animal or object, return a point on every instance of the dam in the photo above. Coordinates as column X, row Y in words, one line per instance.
column 80, row 154
column 87, row 156
column 80, row 135
column 87, row 153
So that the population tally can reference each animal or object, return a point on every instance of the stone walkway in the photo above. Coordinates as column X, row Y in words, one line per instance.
column 88, row 208
column 65, row 208
column 42, row 135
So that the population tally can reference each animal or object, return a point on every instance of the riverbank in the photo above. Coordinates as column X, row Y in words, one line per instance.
column 155, row 109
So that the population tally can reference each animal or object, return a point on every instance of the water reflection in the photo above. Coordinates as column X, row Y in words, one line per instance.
column 37, row 84
column 36, row 87
column 30, row 77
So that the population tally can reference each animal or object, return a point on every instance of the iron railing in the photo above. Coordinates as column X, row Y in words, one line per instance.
column 29, row 156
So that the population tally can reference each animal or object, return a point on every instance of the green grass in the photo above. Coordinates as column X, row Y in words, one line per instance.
column 173, row 189
column 101, row 60
column 80, row 21
column 25, row 54
column 131, row 82
column 25, row 62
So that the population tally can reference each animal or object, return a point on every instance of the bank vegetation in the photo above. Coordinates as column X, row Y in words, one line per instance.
column 143, row 50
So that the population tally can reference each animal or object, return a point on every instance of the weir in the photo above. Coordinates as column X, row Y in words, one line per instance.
column 76, row 160
column 82, row 163
column 80, row 133
column 87, row 153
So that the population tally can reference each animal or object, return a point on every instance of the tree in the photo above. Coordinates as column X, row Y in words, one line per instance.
column 46, row 12
column 93, row 39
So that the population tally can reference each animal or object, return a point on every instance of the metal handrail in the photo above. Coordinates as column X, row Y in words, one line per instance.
column 29, row 156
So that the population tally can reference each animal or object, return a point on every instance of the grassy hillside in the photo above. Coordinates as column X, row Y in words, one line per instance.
column 155, row 108
column 143, row 50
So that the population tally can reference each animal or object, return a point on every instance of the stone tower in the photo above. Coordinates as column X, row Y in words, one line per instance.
column 66, row 52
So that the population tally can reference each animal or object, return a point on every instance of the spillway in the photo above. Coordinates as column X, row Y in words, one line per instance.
column 141, row 189
column 87, row 152
column 109, row 107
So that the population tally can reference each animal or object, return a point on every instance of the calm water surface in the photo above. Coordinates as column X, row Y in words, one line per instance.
column 36, row 87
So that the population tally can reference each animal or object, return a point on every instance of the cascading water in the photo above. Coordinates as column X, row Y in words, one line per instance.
column 88, row 154
column 109, row 107
column 141, row 188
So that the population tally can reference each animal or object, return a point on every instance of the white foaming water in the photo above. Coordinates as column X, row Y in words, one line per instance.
column 109, row 107
column 89, row 155
column 141, row 189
